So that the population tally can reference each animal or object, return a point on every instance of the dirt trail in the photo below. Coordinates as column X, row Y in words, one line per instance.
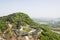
column 1, row 38
column 25, row 38
column 9, row 27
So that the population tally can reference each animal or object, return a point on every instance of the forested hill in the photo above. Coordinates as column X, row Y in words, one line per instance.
column 13, row 18
column 24, row 19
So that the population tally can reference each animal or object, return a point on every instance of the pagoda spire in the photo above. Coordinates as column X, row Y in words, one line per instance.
column 18, row 25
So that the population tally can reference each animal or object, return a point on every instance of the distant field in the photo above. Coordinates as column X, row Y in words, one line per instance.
column 56, row 29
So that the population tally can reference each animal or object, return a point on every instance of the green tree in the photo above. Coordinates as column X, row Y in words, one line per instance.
column 3, row 25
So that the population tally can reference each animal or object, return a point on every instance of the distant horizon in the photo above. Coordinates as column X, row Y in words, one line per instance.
column 34, row 8
column 31, row 17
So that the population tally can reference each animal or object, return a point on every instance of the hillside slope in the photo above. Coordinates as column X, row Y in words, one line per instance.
column 25, row 20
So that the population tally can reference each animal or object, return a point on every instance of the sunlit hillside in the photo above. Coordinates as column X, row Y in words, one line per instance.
column 19, row 26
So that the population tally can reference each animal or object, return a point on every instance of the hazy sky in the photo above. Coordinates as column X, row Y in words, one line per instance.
column 34, row 8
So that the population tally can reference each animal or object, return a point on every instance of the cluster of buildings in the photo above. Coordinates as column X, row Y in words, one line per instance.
column 26, row 34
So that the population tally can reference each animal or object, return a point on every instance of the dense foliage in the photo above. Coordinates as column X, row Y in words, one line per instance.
column 15, row 17
column 26, row 20
column 3, row 26
column 23, row 18
column 49, row 36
